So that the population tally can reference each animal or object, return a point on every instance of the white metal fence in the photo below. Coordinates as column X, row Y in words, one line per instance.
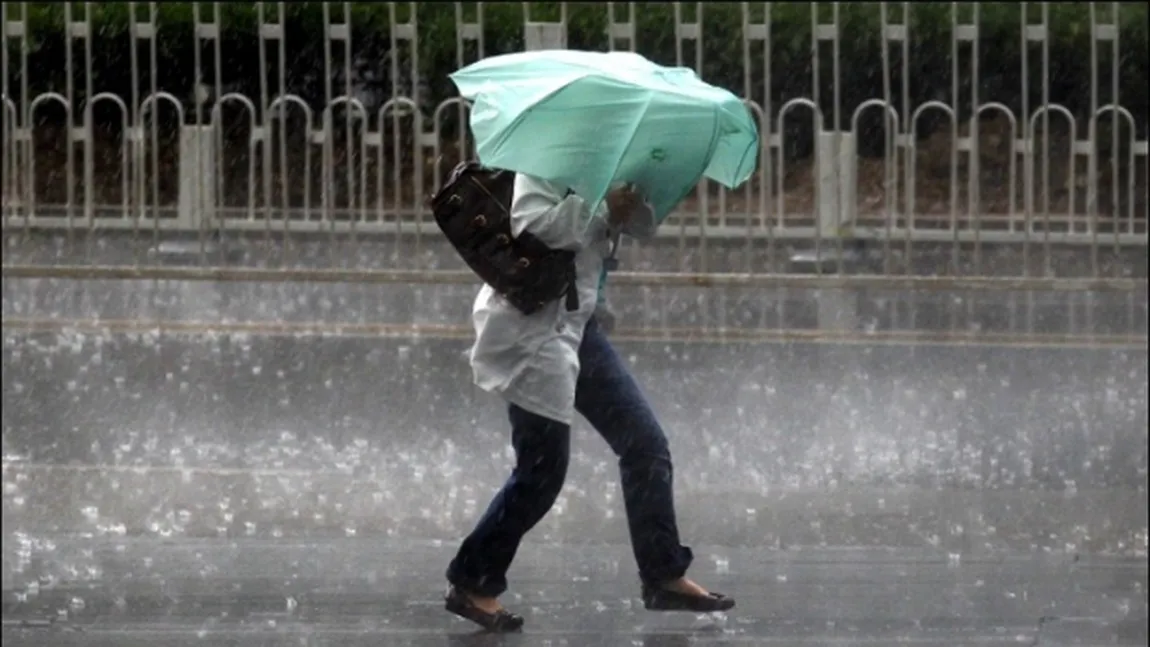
column 361, row 163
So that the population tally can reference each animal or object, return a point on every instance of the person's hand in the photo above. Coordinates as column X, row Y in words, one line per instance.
column 621, row 203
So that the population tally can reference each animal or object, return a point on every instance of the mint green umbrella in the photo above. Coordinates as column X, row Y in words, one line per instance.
column 591, row 120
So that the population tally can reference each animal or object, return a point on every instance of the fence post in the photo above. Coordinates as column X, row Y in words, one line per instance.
column 197, row 190
column 837, row 308
column 836, row 184
column 544, row 35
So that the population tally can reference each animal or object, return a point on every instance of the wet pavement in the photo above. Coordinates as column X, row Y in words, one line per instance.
column 135, row 592
column 965, row 449
column 269, row 488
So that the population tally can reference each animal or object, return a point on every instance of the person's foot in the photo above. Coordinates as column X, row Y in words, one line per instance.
column 487, row 612
column 484, row 604
column 684, row 595
column 686, row 587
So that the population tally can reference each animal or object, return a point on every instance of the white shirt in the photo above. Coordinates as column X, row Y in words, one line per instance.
column 533, row 361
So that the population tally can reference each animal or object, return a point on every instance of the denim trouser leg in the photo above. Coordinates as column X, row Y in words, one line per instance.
column 612, row 402
column 542, row 450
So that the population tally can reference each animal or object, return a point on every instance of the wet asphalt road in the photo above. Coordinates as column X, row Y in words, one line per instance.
column 132, row 593
column 163, row 491
column 306, row 490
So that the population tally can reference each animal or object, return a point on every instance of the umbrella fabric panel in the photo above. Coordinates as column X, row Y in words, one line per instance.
column 590, row 120
column 590, row 134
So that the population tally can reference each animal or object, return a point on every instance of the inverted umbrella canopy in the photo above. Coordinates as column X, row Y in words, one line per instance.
column 592, row 120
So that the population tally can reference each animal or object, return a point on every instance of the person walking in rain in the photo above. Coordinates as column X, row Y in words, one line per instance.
column 548, row 366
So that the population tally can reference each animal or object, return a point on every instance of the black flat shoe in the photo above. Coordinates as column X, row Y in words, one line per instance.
column 660, row 599
column 501, row 621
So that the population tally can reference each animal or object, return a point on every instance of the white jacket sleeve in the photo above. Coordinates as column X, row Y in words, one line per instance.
column 540, row 207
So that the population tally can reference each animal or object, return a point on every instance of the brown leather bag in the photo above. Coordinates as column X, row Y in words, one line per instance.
column 473, row 209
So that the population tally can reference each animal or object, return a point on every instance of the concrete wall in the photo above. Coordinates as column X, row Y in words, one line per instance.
column 674, row 251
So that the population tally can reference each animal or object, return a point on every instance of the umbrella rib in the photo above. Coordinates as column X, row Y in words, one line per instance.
column 635, row 126
column 715, row 136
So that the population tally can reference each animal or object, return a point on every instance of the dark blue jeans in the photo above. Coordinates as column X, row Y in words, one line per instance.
column 608, row 397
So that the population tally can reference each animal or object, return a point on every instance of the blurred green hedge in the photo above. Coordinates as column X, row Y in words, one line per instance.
column 1001, row 49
